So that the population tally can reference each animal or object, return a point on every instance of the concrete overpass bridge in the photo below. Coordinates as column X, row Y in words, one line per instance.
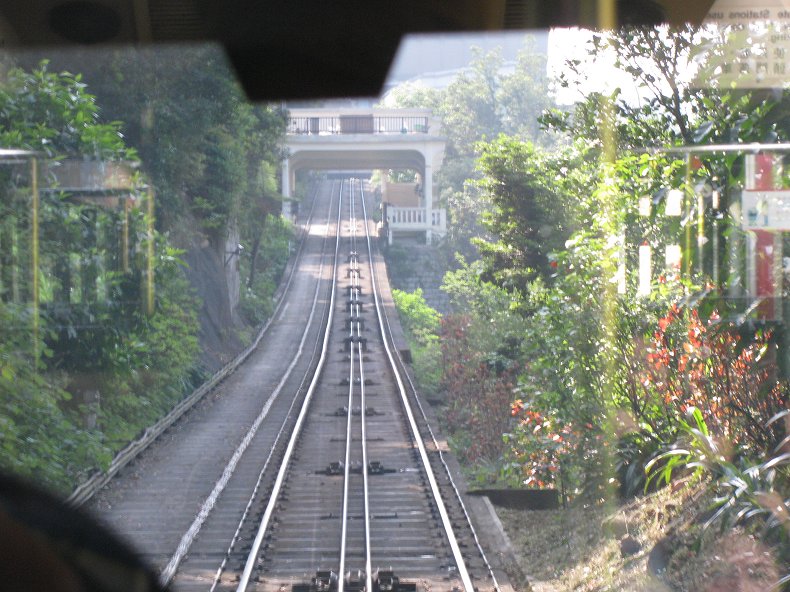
column 369, row 139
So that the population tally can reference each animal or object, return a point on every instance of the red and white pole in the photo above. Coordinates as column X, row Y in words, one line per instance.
column 765, row 256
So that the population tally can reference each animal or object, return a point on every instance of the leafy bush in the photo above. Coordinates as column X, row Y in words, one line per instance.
column 544, row 454
column 256, row 303
column 111, row 367
column 421, row 324
column 746, row 490
column 39, row 438
column 419, row 319
column 479, row 384
column 159, row 359
column 53, row 113
column 722, row 371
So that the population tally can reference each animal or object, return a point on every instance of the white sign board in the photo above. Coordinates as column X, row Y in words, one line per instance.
column 756, row 45
column 766, row 210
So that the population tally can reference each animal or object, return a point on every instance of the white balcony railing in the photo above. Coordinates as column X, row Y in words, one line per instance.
column 357, row 124
column 416, row 219
column 330, row 122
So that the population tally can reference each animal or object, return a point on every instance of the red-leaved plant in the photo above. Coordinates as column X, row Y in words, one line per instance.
column 708, row 364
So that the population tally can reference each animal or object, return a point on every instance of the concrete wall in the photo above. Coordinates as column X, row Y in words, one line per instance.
column 402, row 195
column 413, row 265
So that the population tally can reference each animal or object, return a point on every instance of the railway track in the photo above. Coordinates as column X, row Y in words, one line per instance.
column 340, row 486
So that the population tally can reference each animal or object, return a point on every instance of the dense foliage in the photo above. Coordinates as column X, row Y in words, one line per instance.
column 527, row 215
column 421, row 324
column 211, row 154
column 561, row 370
column 263, row 269
column 481, row 102
column 101, row 338
column 106, row 366
column 40, row 439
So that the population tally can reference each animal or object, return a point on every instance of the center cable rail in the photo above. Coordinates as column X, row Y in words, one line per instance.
column 355, row 336
column 351, row 549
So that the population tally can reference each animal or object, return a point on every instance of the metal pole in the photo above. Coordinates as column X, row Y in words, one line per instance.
column 125, row 236
column 700, row 232
column 34, row 258
column 687, row 211
column 715, row 250
column 149, row 271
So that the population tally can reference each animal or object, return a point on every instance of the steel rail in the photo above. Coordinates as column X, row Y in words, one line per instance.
column 349, row 421
column 448, row 472
column 275, row 443
column 269, row 511
column 356, row 326
column 209, row 503
column 363, row 417
column 443, row 461
column 453, row 542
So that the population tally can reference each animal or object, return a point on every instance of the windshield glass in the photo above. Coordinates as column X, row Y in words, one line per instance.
column 584, row 236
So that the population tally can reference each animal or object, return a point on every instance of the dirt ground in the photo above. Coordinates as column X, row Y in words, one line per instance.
column 656, row 544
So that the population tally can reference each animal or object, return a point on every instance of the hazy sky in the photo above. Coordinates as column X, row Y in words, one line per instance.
column 434, row 60
column 565, row 44
column 438, row 56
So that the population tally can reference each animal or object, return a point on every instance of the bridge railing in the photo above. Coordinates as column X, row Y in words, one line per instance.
column 416, row 219
column 357, row 124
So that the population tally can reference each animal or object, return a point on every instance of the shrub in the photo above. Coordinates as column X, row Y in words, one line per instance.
column 421, row 325
column 39, row 438
column 725, row 372
column 745, row 489
column 256, row 304
column 479, row 388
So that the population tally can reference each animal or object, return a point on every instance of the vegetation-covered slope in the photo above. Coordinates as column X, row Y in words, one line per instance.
column 105, row 325
column 560, row 369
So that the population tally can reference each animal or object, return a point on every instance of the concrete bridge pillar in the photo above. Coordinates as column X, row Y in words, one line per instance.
column 427, row 181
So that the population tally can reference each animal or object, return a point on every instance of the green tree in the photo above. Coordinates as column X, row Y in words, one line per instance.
column 262, row 205
column 53, row 113
column 110, row 367
column 471, row 110
column 531, row 192
column 525, row 95
column 414, row 96
column 200, row 141
column 210, row 157
column 672, row 109
column 482, row 102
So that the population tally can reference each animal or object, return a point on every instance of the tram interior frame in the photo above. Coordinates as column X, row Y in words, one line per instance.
column 307, row 48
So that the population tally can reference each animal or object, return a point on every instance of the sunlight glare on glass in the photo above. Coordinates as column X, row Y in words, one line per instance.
column 572, row 45
column 747, row 46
